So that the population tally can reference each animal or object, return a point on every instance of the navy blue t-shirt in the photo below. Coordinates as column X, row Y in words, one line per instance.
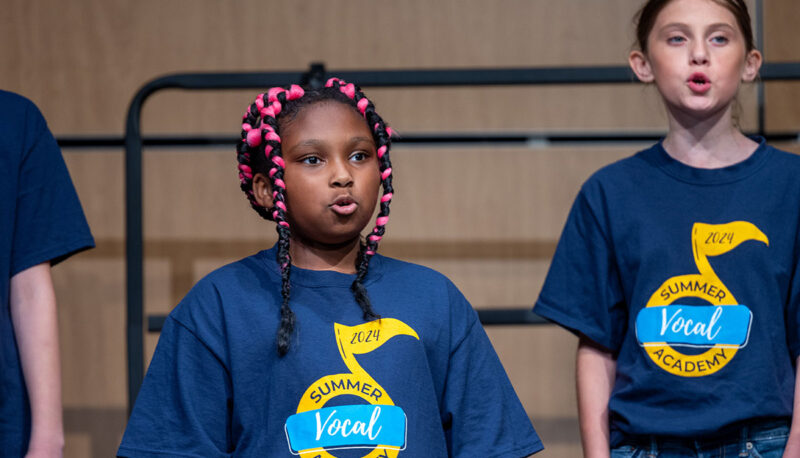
column 40, row 220
column 690, row 276
column 424, row 381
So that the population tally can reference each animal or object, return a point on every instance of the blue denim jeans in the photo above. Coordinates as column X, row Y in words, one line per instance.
column 765, row 440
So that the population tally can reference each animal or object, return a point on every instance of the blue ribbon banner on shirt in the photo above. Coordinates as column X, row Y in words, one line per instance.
column 352, row 426
column 694, row 326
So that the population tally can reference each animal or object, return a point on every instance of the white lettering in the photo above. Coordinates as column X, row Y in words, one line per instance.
column 321, row 427
column 346, row 427
column 678, row 324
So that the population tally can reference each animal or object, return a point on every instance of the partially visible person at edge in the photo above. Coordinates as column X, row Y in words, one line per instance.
column 678, row 266
column 373, row 357
column 41, row 224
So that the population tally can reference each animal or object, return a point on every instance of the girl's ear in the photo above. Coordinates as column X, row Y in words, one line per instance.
column 752, row 63
column 262, row 191
column 641, row 66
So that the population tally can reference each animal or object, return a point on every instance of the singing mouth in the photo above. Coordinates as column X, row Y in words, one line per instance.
column 699, row 82
column 344, row 205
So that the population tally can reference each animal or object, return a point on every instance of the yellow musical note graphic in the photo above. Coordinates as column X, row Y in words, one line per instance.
column 707, row 240
column 352, row 341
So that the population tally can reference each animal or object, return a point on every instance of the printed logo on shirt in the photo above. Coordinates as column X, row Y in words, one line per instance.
column 379, row 426
column 698, row 340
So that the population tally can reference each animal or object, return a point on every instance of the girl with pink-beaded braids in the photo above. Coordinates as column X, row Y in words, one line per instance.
column 375, row 357
column 260, row 151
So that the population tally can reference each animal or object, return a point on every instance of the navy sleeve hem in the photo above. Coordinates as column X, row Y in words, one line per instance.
column 573, row 325
column 54, row 254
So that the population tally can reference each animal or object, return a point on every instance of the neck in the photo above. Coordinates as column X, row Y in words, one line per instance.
column 707, row 142
column 316, row 256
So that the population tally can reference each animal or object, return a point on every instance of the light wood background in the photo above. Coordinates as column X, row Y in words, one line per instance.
column 488, row 217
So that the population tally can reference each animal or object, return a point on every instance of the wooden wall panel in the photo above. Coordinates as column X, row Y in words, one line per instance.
column 83, row 61
column 487, row 217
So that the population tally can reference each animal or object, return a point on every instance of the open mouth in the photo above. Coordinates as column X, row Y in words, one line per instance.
column 699, row 82
column 344, row 206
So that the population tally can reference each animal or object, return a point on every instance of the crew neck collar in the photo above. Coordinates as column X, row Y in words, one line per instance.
column 735, row 172
column 320, row 278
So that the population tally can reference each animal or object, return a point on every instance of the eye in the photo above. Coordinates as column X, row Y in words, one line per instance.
column 311, row 160
column 358, row 156
column 676, row 40
column 719, row 39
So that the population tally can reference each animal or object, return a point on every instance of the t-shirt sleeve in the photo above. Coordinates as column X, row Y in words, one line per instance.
column 183, row 406
column 582, row 291
column 49, row 223
column 482, row 413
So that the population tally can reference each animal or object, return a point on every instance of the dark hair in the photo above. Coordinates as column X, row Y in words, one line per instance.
column 646, row 18
column 260, row 152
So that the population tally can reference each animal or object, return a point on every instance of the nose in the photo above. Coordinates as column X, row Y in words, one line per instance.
column 341, row 176
column 699, row 53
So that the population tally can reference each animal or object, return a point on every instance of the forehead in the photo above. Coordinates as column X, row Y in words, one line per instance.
column 324, row 118
column 694, row 13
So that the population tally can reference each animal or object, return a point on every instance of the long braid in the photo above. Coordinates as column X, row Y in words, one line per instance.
column 382, row 134
column 260, row 152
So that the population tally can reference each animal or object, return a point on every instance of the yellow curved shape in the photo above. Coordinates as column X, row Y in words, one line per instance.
column 707, row 240
column 351, row 341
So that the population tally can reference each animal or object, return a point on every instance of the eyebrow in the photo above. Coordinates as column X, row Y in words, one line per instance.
column 682, row 25
column 316, row 142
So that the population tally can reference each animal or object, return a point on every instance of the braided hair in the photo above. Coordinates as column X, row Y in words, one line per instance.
column 260, row 152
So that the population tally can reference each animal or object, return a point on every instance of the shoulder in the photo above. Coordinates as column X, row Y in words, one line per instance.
column 622, row 170
column 224, row 287
column 17, row 109
column 783, row 158
column 403, row 272
column 11, row 100
column 20, row 119
column 417, row 288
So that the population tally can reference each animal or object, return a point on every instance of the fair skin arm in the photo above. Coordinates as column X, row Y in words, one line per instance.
column 793, row 444
column 596, row 369
column 33, row 312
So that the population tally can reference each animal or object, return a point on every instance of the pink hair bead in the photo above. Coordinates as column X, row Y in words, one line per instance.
column 260, row 101
column 268, row 112
column 267, row 149
column 386, row 173
column 254, row 138
column 275, row 214
column 280, row 205
column 348, row 90
column 272, row 93
column 386, row 197
column 389, row 131
column 382, row 220
column 245, row 168
column 330, row 81
column 295, row 92
column 279, row 183
column 370, row 252
column 375, row 238
column 362, row 105
column 279, row 161
column 382, row 151
column 284, row 224
column 272, row 172
column 247, row 127
column 276, row 107
column 273, row 136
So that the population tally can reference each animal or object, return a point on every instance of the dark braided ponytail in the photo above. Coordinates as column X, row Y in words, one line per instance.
column 260, row 152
